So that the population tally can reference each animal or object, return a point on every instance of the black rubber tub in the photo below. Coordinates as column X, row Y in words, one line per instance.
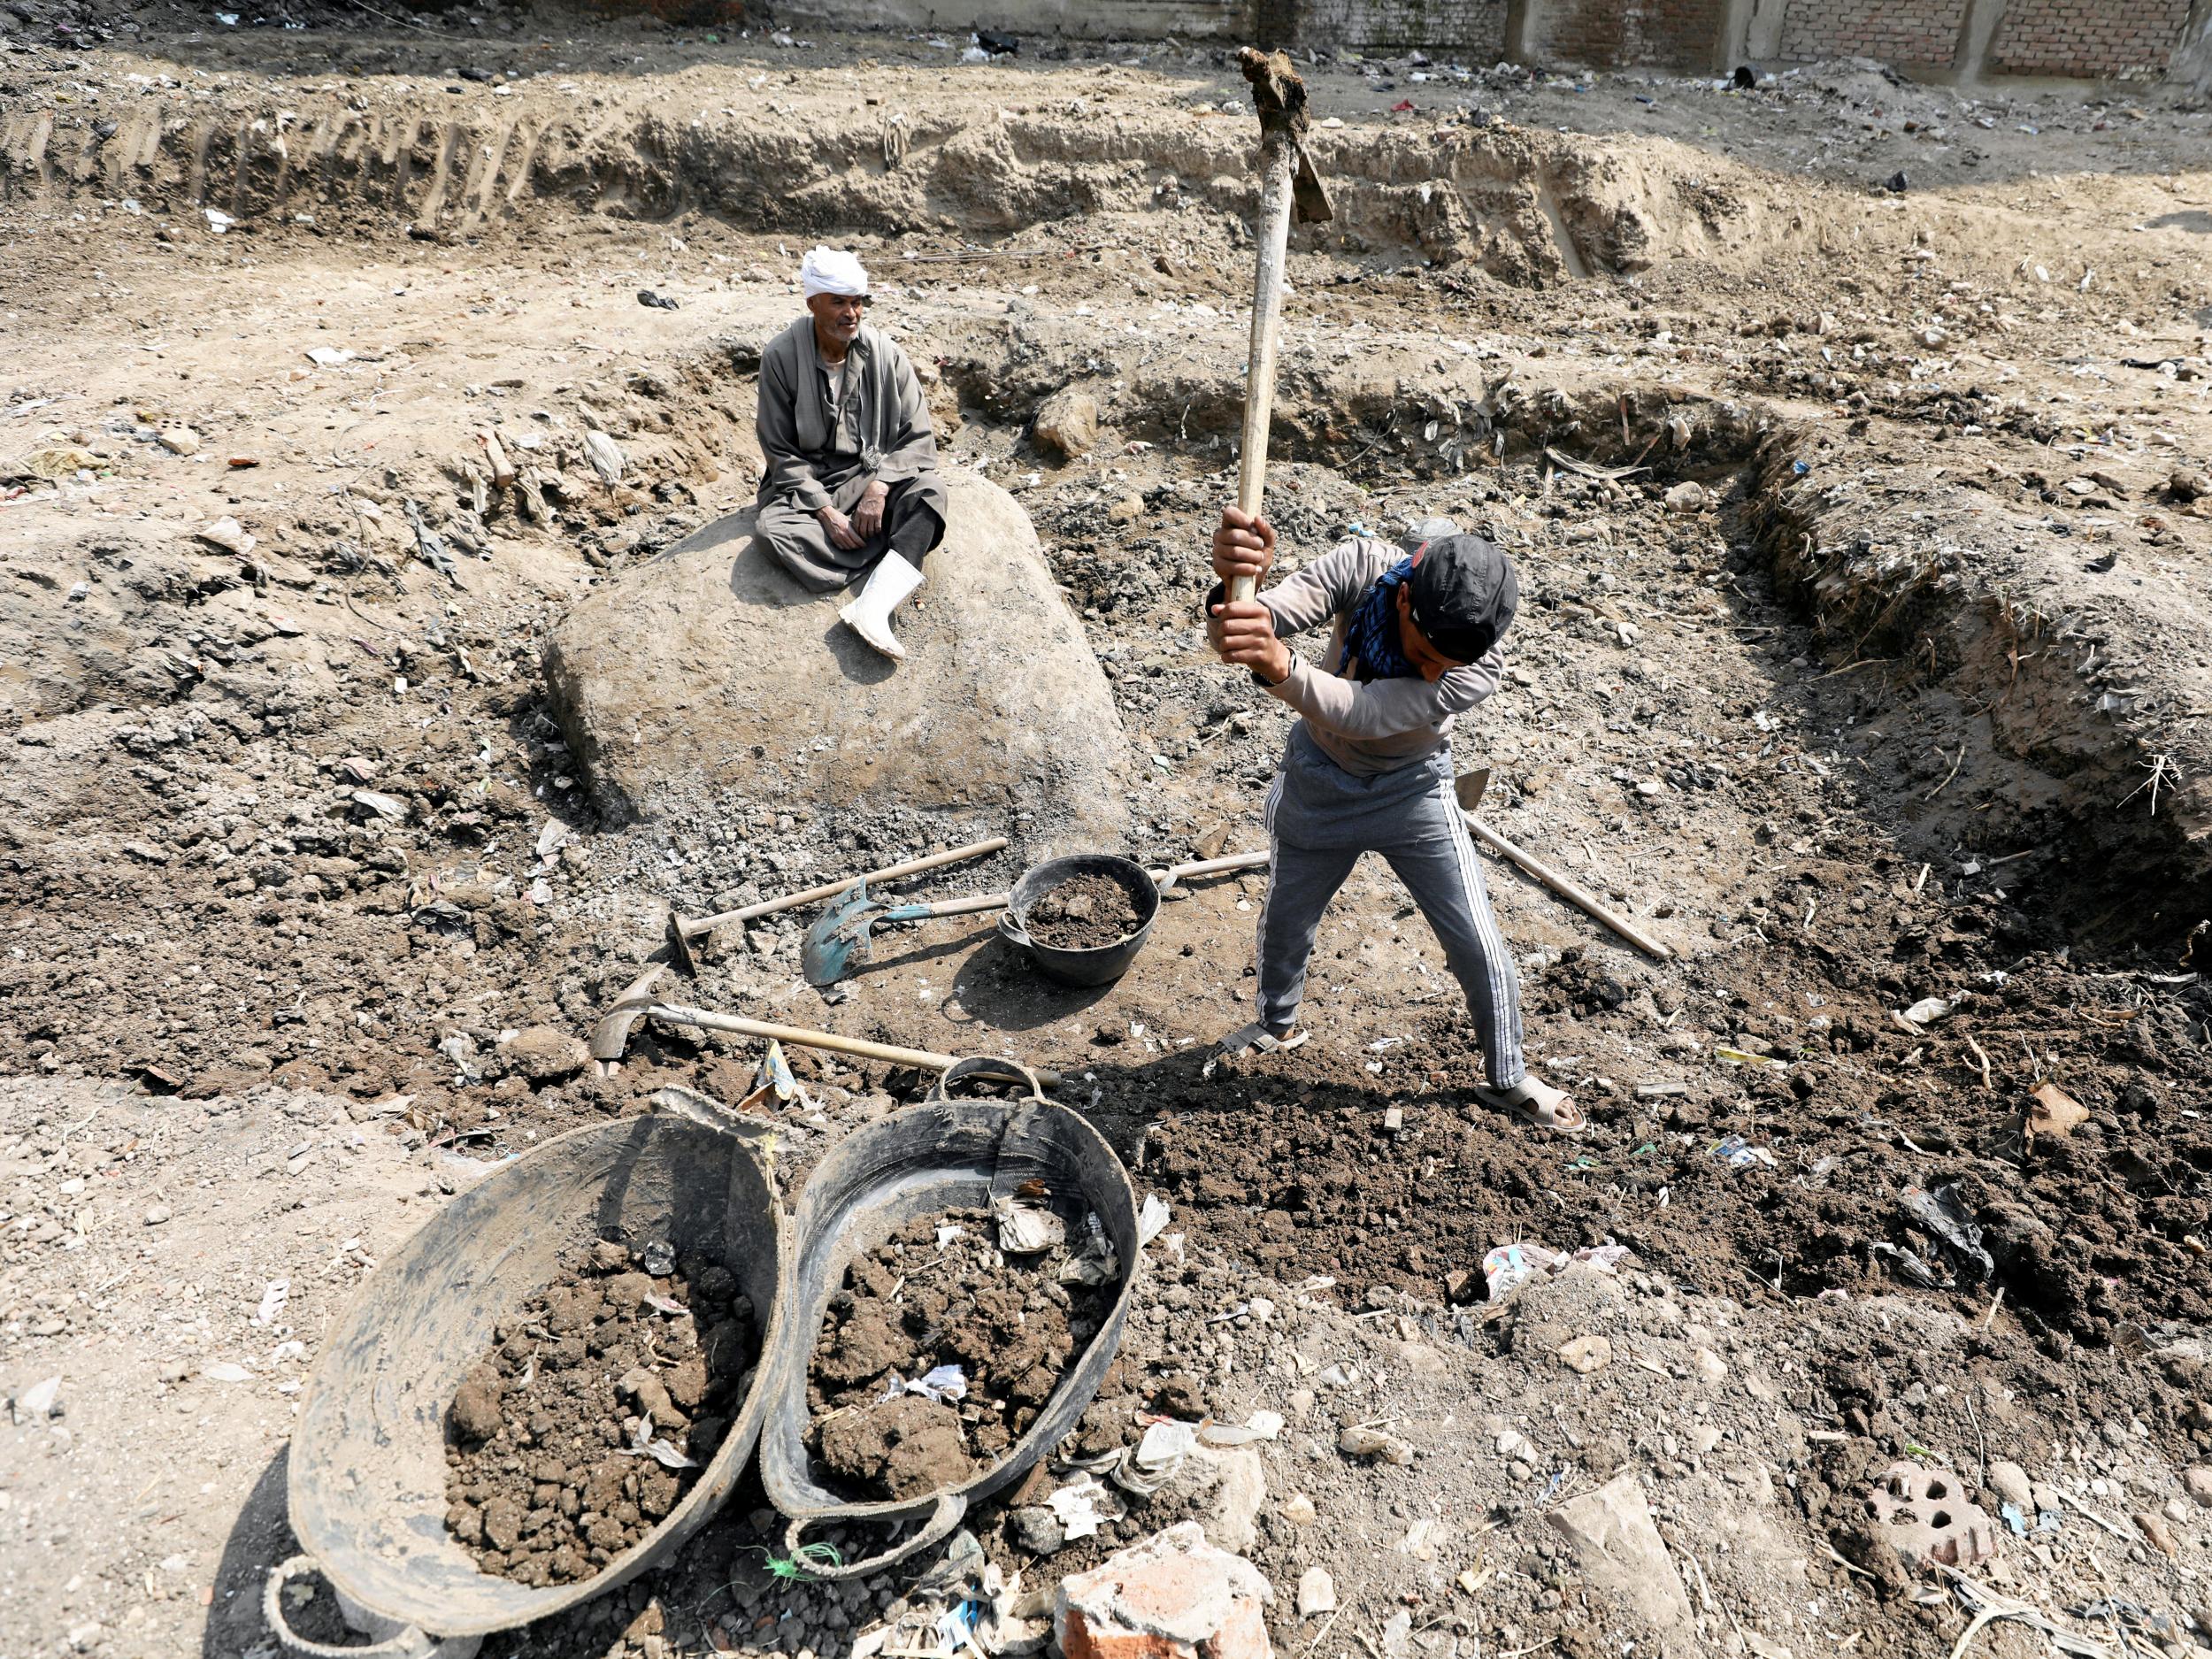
column 948, row 1154
column 368, row 1469
column 1104, row 963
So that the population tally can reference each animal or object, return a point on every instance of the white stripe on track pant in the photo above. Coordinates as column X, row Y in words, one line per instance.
column 1320, row 818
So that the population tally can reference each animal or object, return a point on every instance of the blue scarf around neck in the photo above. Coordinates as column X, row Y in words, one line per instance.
column 1371, row 632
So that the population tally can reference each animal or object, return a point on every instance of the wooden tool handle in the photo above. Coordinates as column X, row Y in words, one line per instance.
column 707, row 1019
column 1279, row 166
column 1570, row 889
column 831, row 889
column 962, row 907
column 1210, row 867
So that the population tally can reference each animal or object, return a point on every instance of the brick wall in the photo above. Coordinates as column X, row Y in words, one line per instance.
column 1618, row 34
column 2096, row 38
column 1922, row 32
column 1470, row 31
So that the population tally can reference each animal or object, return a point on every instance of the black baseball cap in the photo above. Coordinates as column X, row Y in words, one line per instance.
column 1464, row 596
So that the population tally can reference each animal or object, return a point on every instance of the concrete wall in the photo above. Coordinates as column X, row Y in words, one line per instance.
column 2093, row 39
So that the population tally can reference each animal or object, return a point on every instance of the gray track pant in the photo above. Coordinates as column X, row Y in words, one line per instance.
column 1320, row 818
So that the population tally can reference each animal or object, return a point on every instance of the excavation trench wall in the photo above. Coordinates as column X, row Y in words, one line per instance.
column 1531, row 208
column 2073, row 699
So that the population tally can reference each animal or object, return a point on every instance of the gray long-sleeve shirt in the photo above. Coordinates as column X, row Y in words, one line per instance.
column 1385, row 724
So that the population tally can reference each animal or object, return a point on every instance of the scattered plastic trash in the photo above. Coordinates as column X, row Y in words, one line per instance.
column 330, row 357
column 657, row 1258
column 661, row 1451
column 1081, row 1506
column 659, row 302
column 1744, row 1056
column 1927, row 1011
column 946, row 1385
column 1263, row 1425
column 774, row 1075
column 1738, row 1154
column 1096, row 1264
column 1027, row 1229
column 1151, row 1217
column 668, row 1305
column 1509, row 1266
column 274, row 1295
column 1944, row 1213
column 37, row 1401
column 218, row 220
column 1907, row 1264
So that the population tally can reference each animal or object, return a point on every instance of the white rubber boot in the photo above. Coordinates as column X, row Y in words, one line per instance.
column 887, row 587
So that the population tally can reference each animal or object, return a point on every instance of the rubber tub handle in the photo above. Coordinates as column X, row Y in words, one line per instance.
column 952, row 1506
column 1012, row 931
column 408, row 1643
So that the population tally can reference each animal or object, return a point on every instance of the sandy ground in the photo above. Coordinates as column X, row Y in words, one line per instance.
column 1911, row 704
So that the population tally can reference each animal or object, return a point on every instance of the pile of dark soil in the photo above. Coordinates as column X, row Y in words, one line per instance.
column 552, row 1467
column 1088, row 913
column 1292, row 1164
column 911, row 1306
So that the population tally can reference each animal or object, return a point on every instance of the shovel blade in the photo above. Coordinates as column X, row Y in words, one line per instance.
column 842, row 932
column 1469, row 787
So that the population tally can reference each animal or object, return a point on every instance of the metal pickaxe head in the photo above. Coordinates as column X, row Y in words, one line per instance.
column 1281, row 97
column 680, row 949
column 1469, row 788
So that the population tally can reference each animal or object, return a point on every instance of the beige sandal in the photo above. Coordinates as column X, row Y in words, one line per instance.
column 1536, row 1102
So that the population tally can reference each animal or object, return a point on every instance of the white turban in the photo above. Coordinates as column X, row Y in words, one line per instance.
column 831, row 271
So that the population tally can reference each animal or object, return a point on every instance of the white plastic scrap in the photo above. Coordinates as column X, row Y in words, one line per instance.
column 274, row 1295
column 1509, row 1267
column 38, row 1399
column 661, row 1451
column 1082, row 1505
column 1151, row 1217
column 1027, row 1229
column 668, row 1305
column 944, row 1385
column 1927, row 1011
column 330, row 357
column 1264, row 1426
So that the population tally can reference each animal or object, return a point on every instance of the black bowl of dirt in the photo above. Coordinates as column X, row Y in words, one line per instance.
column 1083, row 917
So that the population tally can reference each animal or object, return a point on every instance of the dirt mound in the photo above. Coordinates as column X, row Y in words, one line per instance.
column 709, row 676
column 601, row 1401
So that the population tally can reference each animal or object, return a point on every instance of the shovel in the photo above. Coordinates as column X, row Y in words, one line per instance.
column 839, row 942
column 1287, row 180
column 683, row 929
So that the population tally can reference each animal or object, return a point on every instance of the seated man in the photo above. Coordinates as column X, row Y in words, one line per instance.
column 852, row 483
column 1415, row 641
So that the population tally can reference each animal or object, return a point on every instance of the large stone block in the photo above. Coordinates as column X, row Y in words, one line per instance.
column 710, row 675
